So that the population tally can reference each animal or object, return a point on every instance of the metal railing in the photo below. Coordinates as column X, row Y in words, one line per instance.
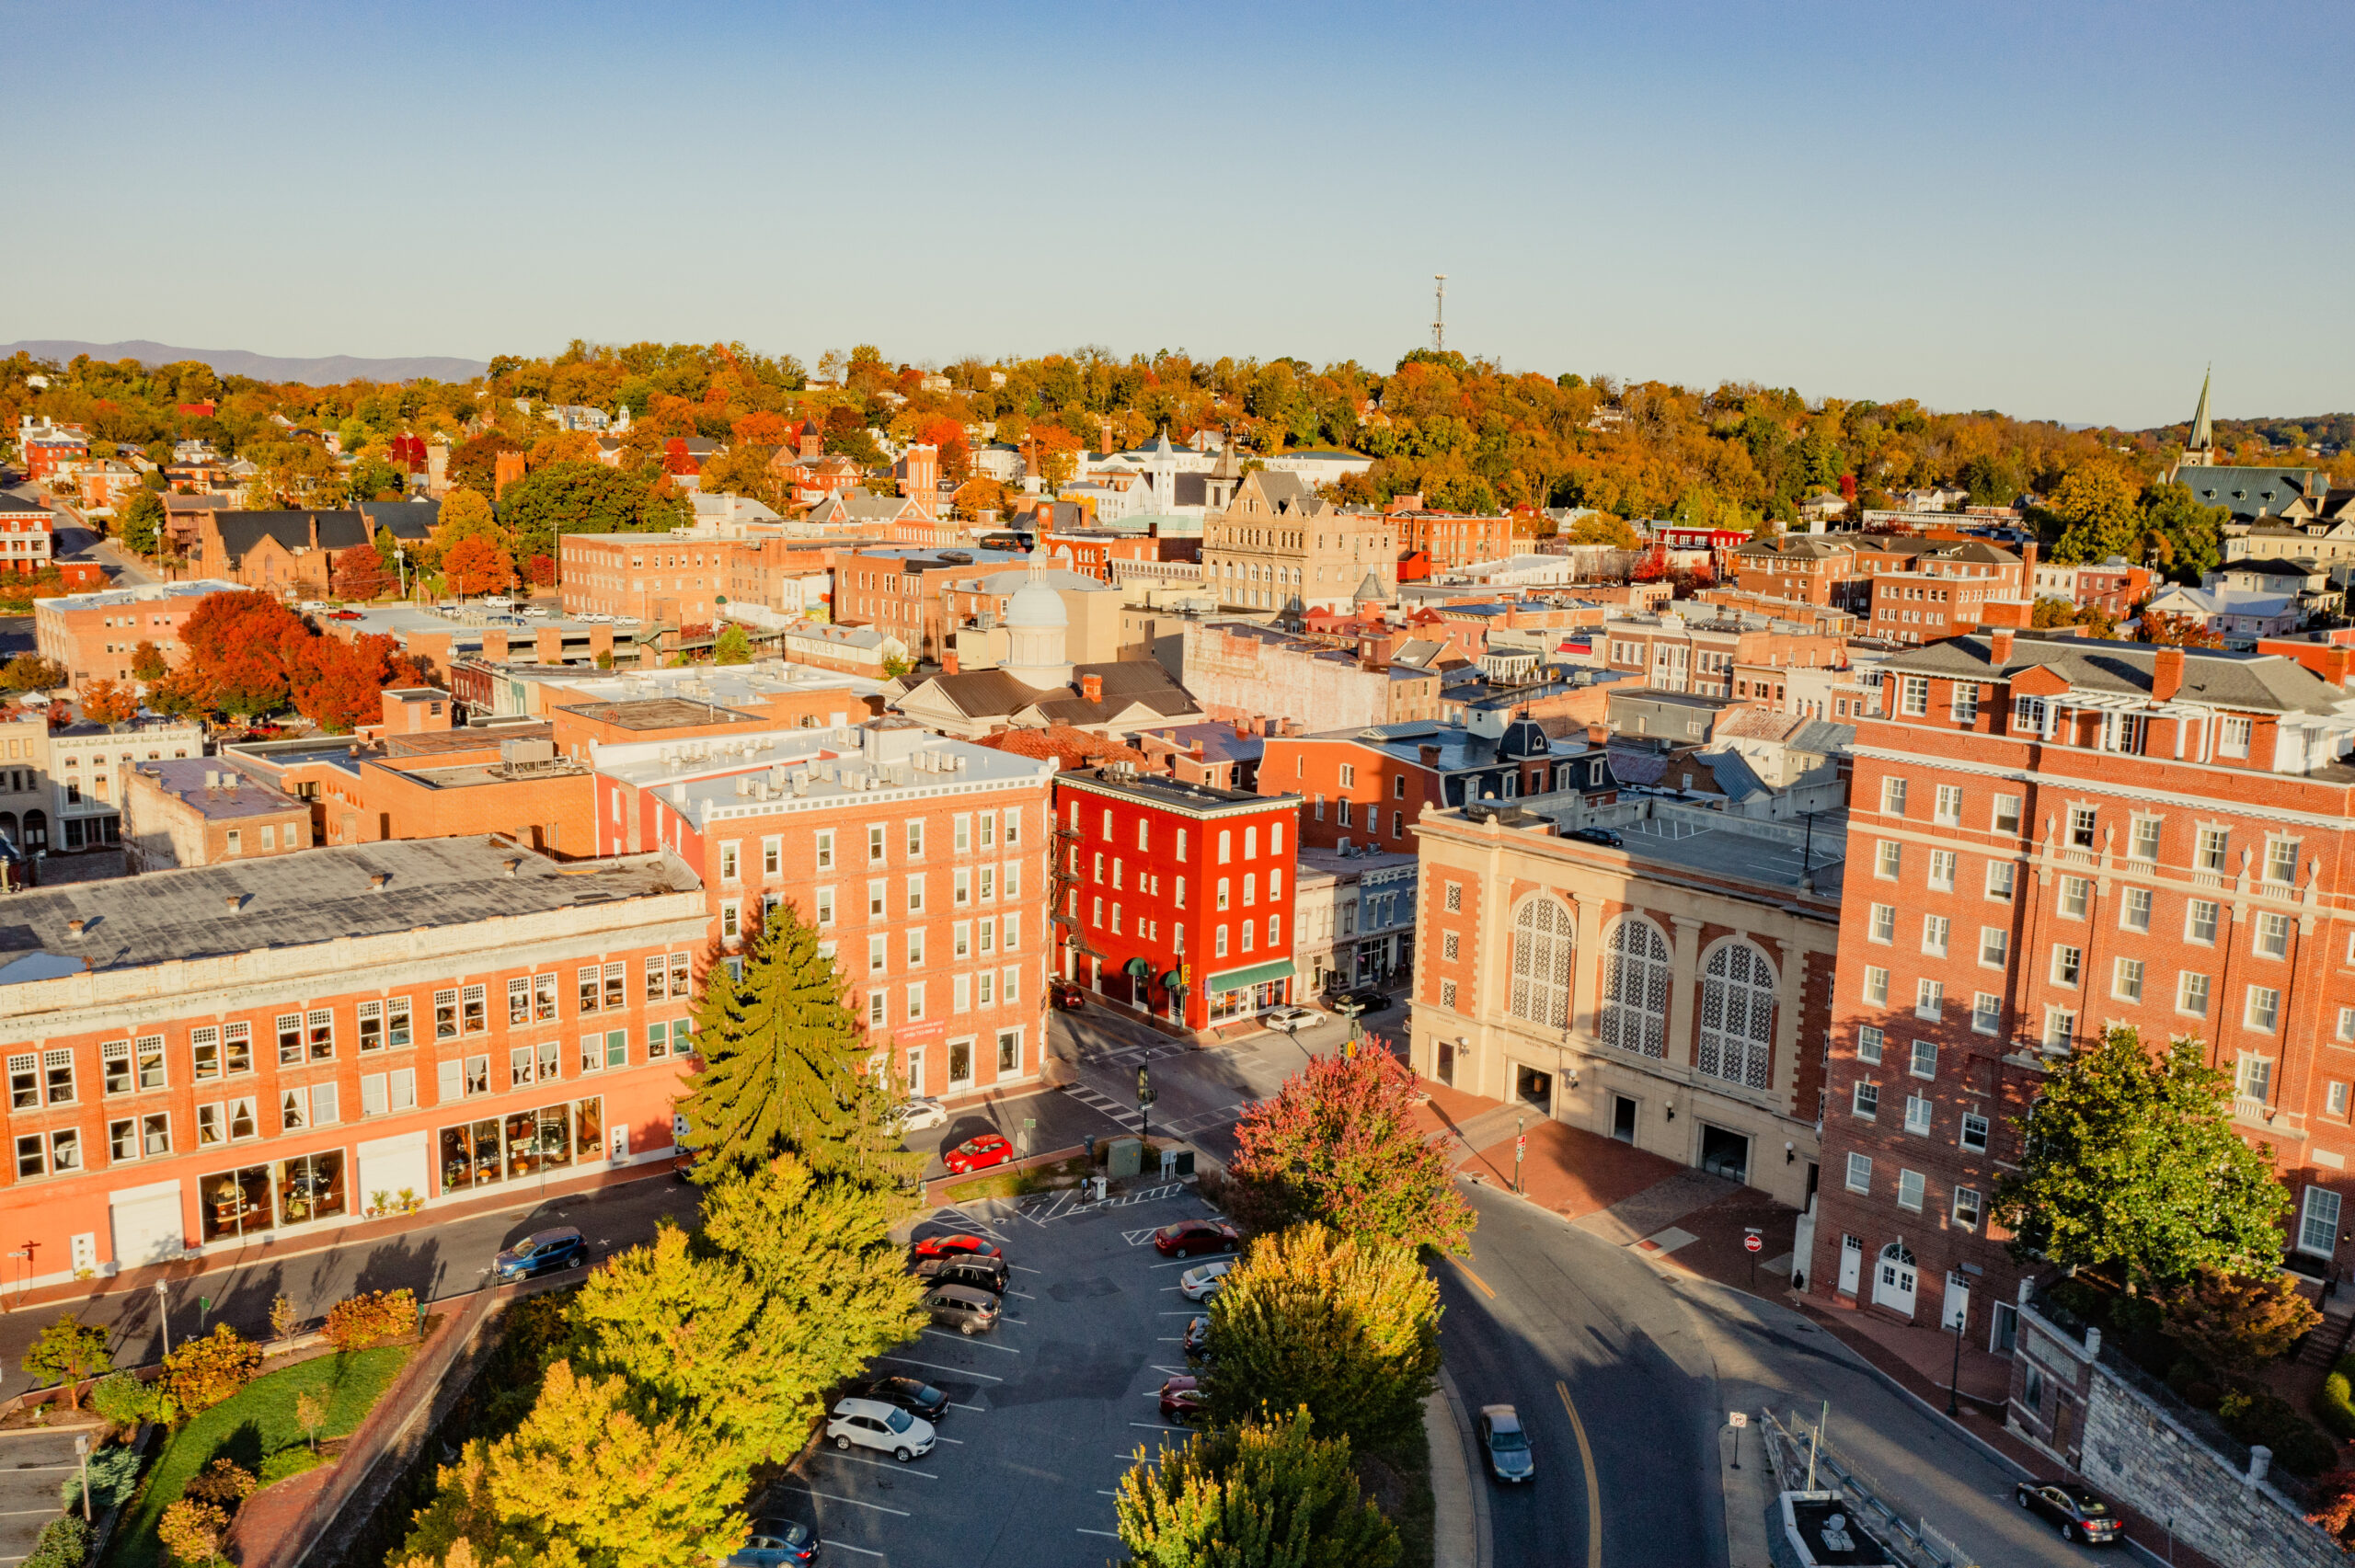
column 1803, row 1462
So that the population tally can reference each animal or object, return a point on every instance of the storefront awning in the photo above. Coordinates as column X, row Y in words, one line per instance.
column 1169, row 981
column 1137, row 969
column 1257, row 974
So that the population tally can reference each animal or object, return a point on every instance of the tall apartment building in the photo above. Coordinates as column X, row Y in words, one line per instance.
column 1175, row 898
column 1280, row 546
column 96, row 635
column 1952, row 586
column 921, row 861
column 1672, row 994
column 202, row 1059
column 2047, row 838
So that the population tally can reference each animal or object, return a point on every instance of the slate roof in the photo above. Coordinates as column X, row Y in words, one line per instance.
column 985, row 694
column 2249, row 682
column 315, row 897
column 2247, row 492
column 19, row 504
column 241, row 532
column 405, row 519
column 1126, row 683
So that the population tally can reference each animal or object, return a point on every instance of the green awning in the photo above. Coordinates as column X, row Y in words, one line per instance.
column 1137, row 969
column 1169, row 981
column 1257, row 974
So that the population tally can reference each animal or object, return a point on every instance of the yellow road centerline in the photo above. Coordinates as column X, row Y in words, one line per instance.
column 1593, row 1486
column 1462, row 1268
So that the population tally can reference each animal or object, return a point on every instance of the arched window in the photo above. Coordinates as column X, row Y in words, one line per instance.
column 1635, row 989
column 1543, row 940
column 1737, row 1014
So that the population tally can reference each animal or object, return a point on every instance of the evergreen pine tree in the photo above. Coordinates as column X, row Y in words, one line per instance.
column 787, row 1067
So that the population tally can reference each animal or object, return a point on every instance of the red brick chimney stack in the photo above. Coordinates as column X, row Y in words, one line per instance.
column 1092, row 687
column 2166, row 674
column 1999, row 646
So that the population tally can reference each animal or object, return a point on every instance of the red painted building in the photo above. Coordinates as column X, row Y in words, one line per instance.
column 1174, row 898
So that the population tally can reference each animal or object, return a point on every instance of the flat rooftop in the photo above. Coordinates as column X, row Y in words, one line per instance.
column 473, row 775
column 659, row 712
column 145, row 593
column 747, row 774
column 218, row 792
column 315, row 896
column 728, row 684
column 1160, row 790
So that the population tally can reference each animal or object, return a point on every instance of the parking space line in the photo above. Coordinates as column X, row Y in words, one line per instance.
column 833, row 1545
column 940, row 1366
column 1108, row 1535
column 938, row 1438
column 853, row 1502
column 1157, row 1426
column 969, row 1339
column 1173, row 1371
column 880, row 1464
column 1020, row 1269
column 1177, row 1314
column 1021, row 1295
column 974, row 1408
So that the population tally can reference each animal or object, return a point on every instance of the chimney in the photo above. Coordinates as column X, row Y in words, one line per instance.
column 1430, row 756
column 1999, row 646
column 948, row 662
column 236, row 902
column 1092, row 687
column 2166, row 674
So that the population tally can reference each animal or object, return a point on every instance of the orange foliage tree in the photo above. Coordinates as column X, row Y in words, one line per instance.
column 763, row 427
column 477, row 565
column 109, row 702
column 341, row 683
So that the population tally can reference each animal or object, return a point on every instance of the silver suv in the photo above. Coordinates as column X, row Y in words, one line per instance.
column 871, row 1424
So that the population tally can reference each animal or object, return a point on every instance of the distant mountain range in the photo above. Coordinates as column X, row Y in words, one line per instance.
column 329, row 370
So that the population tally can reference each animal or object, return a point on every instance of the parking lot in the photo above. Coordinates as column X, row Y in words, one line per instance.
column 1045, row 1411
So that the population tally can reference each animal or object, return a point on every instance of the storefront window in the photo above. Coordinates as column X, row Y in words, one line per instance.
column 470, row 1156
column 526, row 1143
column 1228, row 1004
column 311, row 1187
column 589, row 1128
column 235, row 1203
column 537, row 1140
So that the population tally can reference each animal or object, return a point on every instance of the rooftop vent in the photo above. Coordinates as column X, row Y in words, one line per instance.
column 236, row 901
column 511, row 865
column 376, row 880
column 73, row 926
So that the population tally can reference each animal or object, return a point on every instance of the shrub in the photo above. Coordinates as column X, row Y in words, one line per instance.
column 2334, row 1404
column 289, row 1462
column 225, row 1482
column 2236, row 1325
column 370, row 1319
column 191, row 1532
column 68, row 1351
column 124, row 1400
column 2255, row 1416
column 204, row 1372
column 114, row 1471
column 64, row 1544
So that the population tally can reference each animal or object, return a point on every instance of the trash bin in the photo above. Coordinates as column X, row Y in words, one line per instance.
column 1185, row 1162
column 1091, row 1148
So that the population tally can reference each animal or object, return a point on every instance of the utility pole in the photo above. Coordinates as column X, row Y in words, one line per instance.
column 1438, row 318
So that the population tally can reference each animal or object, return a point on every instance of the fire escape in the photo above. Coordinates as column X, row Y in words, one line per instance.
column 1063, row 896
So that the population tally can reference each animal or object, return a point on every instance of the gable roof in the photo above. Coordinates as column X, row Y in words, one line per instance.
column 241, row 532
column 2248, row 492
column 2249, row 682
column 403, row 520
column 981, row 693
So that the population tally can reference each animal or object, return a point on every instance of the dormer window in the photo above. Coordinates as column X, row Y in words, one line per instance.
column 2232, row 735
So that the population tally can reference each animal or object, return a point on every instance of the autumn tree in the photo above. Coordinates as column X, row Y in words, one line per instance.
column 2131, row 1165
column 110, row 702
column 1347, row 1326
column 463, row 515
column 784, row 1063
column 2094, row 506
column 595, row 1475
column 140, row 522
column 1339, row 1143
column 1264, row 1494
column 243, row 651
column 2169, row 630
column 477, row 565
column 733, row 646
column 474, row 464
column 981, row 494
column 2235, row 1324
column 147, row 662
column 30, row 672
column 585, row 497
column 2192, row 534
column 70, row 1352
column 762, row 427
column 360, row 573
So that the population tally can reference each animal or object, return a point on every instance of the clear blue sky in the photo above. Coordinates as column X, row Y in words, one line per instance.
column 2060, row 209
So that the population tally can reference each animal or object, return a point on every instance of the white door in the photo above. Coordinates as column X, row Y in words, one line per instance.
column 1957, row 1312
column 391, row 1167
column 1893, row 1285
column 915, row 1071
column 1852, row 1265
column 147, row 1225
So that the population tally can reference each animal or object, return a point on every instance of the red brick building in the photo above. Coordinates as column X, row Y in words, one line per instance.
column 203, row 1058
column 28, row 533
column 1175, row 898
column 1450, row 540
column 97, row 635
column 921, row 860
column 897, row 590
column 2049, row 837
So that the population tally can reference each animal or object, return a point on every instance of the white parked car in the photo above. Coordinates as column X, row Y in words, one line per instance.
column 920, row 1113
column 1201, row 1283
column 1291, row 1018
column 534, row 612
column 871, row 1424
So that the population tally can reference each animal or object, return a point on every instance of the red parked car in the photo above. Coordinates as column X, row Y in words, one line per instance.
column 978, row 1153
column 1182, row 1399
column 1188, row 1237
column 950, row 1246
column 1067, row 996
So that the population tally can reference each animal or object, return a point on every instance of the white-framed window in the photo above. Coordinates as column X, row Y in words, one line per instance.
column 1995, row 947
column 2272, row 935
column 1883, row 928
column 1973, row 1134
column 2338, row 1097
column 2347, row 1023
column 1924, row 1061
column 2003, row 876
column 2253, row 1076
column 2134, row 910
column 825, row 849
column 2319, row 1221
column 1737, row 1015
column 729, row 870
column 1917, row 1115
column 1965, row 702
column 879, row 956
column 2233, row 733
column 1634, row 988
column 2126, row 979
column 1876, row 985
column 2142, row 842
column 916, row 994
column 1948, row 811
column 2214, row 845
column 1868, row 1044
column 1545, row 936
column 1967, row 1207
column 2262, row 1010
column 1909, row 1189
column 2075, row 892
column 2067, row 963
column 1860, row 1172
column 2200, row 922
column 1892, row 797
column 2005, row 816
column 2081, row 820
column 1864, row 1103
column 1935, row 928
column 1889, row 859
column 1913, row 695
column 1986, row 1012
column 1942, row 864
column 1929, row 1000
column 2060, row 1028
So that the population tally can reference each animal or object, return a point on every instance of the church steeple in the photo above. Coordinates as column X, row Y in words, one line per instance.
column 2199, row 452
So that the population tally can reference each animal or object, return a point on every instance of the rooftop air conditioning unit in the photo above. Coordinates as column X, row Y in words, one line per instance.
column 743, row 786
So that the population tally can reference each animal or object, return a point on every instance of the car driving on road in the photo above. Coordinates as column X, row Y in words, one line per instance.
column 1367, row 1000
column 1291, row 1018
column 542, row 1252
column 2078, row 1512
column 1506, row 1444
column 871, row 1424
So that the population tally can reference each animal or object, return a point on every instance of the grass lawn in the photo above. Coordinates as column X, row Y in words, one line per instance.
column 258, row 1422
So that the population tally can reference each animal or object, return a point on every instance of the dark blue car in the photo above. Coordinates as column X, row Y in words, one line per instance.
column 542, row 1252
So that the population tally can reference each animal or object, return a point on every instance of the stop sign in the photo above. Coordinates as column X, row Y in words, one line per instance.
column 1751, row 1243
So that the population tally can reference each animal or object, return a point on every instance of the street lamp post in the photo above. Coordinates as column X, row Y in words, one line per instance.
column 82, row 1453
column 163, row 1313
column 1953, row 1378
